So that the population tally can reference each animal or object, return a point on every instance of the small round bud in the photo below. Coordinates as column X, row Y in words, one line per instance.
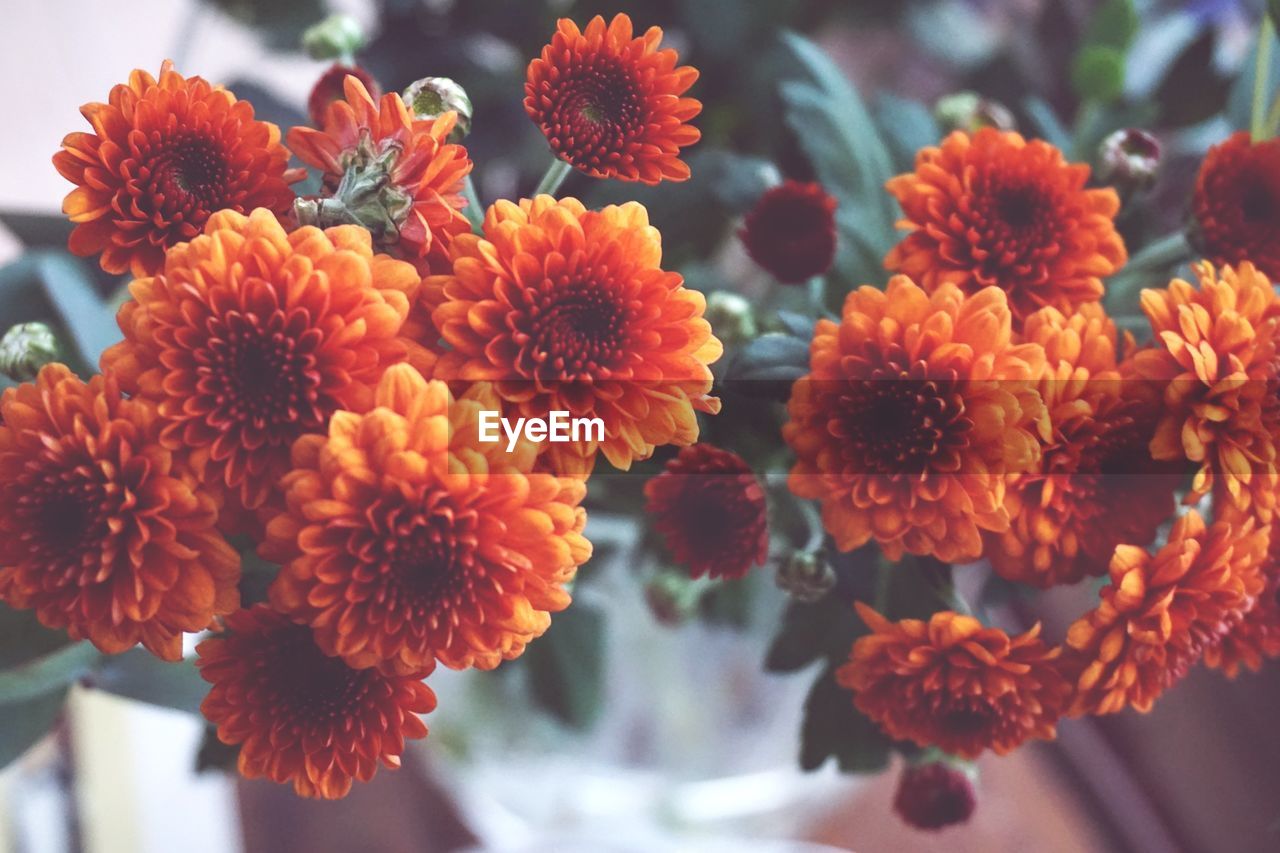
column 431, row 97
column 971, row 112
column 1129, row 159
column 731, row 317
column 672, row 598
column 25, row 348
column 805, row 576
column 336, row 37
column 934, row 795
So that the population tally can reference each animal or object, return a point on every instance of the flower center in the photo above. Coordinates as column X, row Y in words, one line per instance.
column 190, row 168
column 1257, row 205
column 1019, row 208
column 578, row 331
column 296, row 678
column 602, row 94
column 967, row 720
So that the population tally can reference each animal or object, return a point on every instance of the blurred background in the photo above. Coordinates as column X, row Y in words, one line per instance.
column 628, row 728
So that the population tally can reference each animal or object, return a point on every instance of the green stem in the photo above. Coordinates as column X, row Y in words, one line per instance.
column 1273, row 118
column 1261, row 69
column 474, row 211
column 554, row 177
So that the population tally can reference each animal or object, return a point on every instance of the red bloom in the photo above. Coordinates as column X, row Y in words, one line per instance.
column 329, row 89
column 933, row 796
column 791, row 231
column 710, row 509
column 1237, row 203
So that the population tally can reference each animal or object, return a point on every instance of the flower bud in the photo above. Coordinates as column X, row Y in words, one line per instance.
column 935, row 794
column 1129, row 159
column 672, row 598
column 731, row 317
column 329, row 88
column 366, row 196
column 25, row 348
column 805, row 576
column 971, row 112
column 431, row 97
column 336, row 37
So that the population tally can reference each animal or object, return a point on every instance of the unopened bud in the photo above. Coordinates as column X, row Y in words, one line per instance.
column 805, row 576
column 25, row 348
column 1129, row 159
column 971, row 112
column 935, row 794
column 432, row 97
column 336, row 37
column 731, row 317
column 672, row 598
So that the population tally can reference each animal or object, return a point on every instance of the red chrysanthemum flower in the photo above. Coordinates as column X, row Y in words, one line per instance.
column 417, row 207
column 710, row 509
column 1237, row 203
column 916, row 411
column 163, row 156
column 408, row 540
column 330, row 88
column 100, row 532
column 1097, row 486
column 610, row 104
column 1161, row 612
column 791, row 231
column 300, row 716
column 934, row 796
column 567, row 309
column 953, row 684
column 993, row 209
column 251, row 337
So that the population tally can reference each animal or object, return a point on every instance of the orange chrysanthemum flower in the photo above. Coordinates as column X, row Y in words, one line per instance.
column 1256, row 638
column 610, row 104
column 251, row 337
column 1237, row 203
column 567, row 309
column 1216, row 359
column 1160, row 612
column 916, row 410
column 419, row 174
column 163, row 156
column 300, row 716
column 100, row 532
column 1097, row 486
column 407, row 540
column 994, row 210
column 953, row 684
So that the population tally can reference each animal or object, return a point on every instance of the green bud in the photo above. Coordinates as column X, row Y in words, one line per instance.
column 971, row 112
column 731, row 317
column 432, row 97
column 336, row 37
column 25, row 348
column 672, row 597
column 805, row 576
column 366, row 195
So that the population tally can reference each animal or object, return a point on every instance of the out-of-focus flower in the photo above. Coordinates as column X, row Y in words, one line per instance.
column 805, row 576
column 300, row 716
column 1237, row 203
column 100, row 532
column 1215, row 359
column 388, row 171
column 1256, row 638
column 970, row 112
column 934, row 795
column 408, row 540
column 330, row 88
column 336, row 37
column 1097, row 486
column 953, row 684
column 1161, row 612
column 791, row 231
column 916, row 410
column 163, row 156
column 431, row 97
column 993, row 209
column 251, row 337
column 1129, row 159
column 711, row 512
column 566, row 309
column 26, row 348
column 610, row 104
column 731, row 316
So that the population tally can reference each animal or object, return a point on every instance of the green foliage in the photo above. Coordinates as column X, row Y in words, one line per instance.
column 907, row 126
column 1114, row 25
column 566, row 666
column 767, row 366
column 1098, row 73
column 25, row 722
column 139, row 675
column 834, row 728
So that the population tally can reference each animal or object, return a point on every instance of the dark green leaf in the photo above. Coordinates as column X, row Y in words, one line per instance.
column 1045, row 123
column 88, row 318
column 24, row 639
column 1239, row 109
column 1273, row 12
column 26, row 722
column 1098, row 73
column 834, row 728
column 566, row 666
column 737, row 182
column 907, row 127
column 768, row 365
column 1193, row 90
column 795, row 324
column 141, row 676
column 49, row 672
column 824, row 629
column 214, row 755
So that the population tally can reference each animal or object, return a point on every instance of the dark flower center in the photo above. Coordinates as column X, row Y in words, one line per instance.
column 294, row 676
column 1019, row 207
column 577, row 331
column 191, row 168
column 966, row 721
column 601, row 94
column 1258, row 205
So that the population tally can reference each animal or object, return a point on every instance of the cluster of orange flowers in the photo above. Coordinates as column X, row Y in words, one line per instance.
column 984, row 406
column 316, row 391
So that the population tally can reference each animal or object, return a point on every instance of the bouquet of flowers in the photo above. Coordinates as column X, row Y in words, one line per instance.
column 348, row 420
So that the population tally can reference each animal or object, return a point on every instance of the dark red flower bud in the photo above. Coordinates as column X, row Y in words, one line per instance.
column 934, row 795
column 329, row 89
column 791, row 231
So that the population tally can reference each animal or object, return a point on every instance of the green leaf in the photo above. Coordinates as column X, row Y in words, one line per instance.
column 1045, row 123
column 834, row 728
column 907, row 127
column 1114, row 25
column 23, row 638
column 141, row 676
column 824, row 629
column 46, row 673
column 1239, row 107
column 1193, row 90
column 1273, row 12
column 737, row 182
column 1098, row 73
column 566, row 666
column 27, row 721
column 88, row 318
column 768, row 365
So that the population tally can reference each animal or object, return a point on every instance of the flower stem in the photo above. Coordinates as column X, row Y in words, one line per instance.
column 554, row 177
column 474, row 211
column 1261, row 71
